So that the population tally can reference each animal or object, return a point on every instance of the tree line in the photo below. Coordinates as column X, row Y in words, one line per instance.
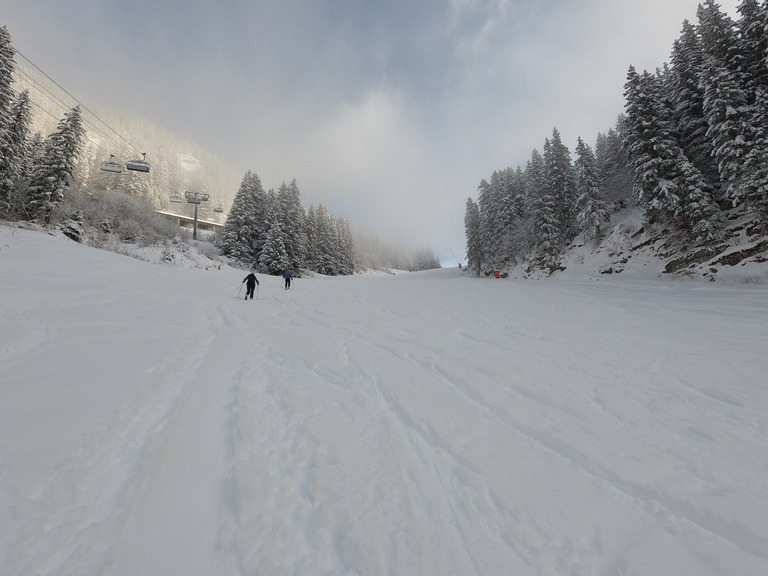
column 271, row 231
column 35, row 172
column 691, row 147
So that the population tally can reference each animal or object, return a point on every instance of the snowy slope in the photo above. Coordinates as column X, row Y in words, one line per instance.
column 630, row 247
column 428, row 423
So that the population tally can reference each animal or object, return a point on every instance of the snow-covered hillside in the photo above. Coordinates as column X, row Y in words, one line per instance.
column 153, row 423
column 630, row 247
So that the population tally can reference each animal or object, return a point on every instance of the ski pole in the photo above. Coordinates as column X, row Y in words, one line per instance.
column 241, row 289
column 257, row 291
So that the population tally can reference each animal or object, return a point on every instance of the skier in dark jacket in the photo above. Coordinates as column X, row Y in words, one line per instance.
column 251, row 282
column 288, row 279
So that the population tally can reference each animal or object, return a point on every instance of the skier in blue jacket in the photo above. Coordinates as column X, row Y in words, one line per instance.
column 288, row 278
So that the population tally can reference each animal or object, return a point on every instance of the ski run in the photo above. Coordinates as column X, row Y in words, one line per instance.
column 431, row 423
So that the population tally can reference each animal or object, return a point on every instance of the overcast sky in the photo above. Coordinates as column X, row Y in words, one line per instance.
column 388, row 112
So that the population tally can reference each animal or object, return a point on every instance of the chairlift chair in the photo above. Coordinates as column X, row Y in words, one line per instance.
column 110, row 166
column 196, row 197
column 176, row 197
column 139, row 165
column 218, row 209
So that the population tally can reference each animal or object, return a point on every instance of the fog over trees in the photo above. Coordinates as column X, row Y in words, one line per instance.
column 58, row 157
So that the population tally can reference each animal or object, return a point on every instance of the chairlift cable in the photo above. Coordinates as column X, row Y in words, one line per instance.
column 139, row 165
column 42, row 109
column 167, row 174
column 67, row 107
column 136, row 165
column 76, row 100
column 85, row 121
column 43, row 89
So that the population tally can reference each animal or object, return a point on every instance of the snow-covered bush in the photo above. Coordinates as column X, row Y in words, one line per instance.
column 109, row 216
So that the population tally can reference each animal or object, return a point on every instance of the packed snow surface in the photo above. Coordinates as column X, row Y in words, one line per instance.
column 153, row 423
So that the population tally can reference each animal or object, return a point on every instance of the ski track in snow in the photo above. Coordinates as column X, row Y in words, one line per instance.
column 424, row 424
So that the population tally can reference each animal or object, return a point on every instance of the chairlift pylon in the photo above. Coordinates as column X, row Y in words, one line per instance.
column 110, row 166
column 139, row 165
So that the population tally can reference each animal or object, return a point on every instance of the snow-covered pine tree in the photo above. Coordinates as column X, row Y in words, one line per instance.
column 489, row 205
column 312, row 235
column 322, row 247
column 6, row 98
column 669, row 187
column 492, row 212
column 472, row 233
column 541, row 214
column 35, row 150
column 330, row 244
column 517, row 180
column 726, row 103
column 613, row 164
column 241, row 238
column 505, row 218
column 700, row 216
column 652, row 149
column 271, row 232
column 7, row 66
column 558, row 174
column 718, row 35
column 334, row 242
column 14, row 151
column 498, row 202
column 727, row 114
column 274, row 258
column 686, row 92
column 292, row 216
column 590, row 207
column 752, row 45
column 52, row 176
column 601, row 144
column 498, row 218
column 327, row 258
column 265, row 205
column 753, row 48
column 512, row 243
column 756, row 161
column 346, row 247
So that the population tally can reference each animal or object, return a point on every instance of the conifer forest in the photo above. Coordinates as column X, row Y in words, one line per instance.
column 690, row 151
